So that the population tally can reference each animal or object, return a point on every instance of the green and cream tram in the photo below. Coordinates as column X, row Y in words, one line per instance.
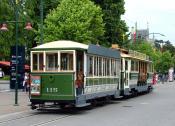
column 55, row 68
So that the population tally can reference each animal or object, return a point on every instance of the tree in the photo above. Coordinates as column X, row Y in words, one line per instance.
column 78, row 20
column 162, row 60
column 165, row 62
column 148, row 49
column 115, row 28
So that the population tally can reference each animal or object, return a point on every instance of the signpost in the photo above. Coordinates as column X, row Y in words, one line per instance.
column 21, row 67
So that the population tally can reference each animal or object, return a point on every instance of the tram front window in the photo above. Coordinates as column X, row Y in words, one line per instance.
column 67, row 61
column 37, row 62
column 51, row 61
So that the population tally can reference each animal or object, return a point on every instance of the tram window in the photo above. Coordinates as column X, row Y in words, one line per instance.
column 132, row 66
column 51, row 61
column 104, row 66
column 35, row 62
column 117, row 67
column 95, row 66
column 136, row 66
column 100, row 66
column 108, row 67
column 40, row 61
column 111, row 67
column 126, row 65
column 90, row 65
column 67, row 61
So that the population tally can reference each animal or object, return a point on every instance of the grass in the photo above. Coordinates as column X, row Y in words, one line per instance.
column 5, row 78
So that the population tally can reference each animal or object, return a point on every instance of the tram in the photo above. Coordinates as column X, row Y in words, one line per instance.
column 136, row 73
column 71, row 73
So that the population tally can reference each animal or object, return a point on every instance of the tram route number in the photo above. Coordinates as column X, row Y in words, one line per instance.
column 51, row 90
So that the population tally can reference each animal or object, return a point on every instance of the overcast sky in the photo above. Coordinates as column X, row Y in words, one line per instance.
column 160, row 15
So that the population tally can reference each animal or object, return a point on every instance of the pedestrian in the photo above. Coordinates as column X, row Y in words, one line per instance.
column 25, row 82
column 79, row 83
column 1, row 73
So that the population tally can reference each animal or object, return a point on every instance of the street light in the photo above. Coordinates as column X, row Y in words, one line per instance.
column 155, row 34
column 4, row 28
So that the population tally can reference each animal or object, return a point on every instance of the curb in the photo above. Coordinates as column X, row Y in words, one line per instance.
column 4, row 82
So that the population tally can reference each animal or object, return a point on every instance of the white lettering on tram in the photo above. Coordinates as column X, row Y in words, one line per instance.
column 51, row 90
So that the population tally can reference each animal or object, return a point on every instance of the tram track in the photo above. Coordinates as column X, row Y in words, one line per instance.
column 21, row 116
column 17, row 118
column 51, row 121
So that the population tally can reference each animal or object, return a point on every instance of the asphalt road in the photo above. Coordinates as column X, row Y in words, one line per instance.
column 154, row 109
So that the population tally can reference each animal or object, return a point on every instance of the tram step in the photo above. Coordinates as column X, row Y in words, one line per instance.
column 82, row 105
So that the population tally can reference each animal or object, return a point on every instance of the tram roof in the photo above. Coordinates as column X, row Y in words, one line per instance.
column 61, row 44
column 133, row 57
column 67, row 44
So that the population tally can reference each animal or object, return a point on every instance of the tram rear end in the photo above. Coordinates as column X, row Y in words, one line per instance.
column 53, row 89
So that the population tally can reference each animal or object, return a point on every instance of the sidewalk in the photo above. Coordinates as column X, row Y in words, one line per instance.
column 8, row 100
column 4, row 82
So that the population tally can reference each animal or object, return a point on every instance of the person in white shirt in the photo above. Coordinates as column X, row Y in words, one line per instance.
column 1, row 73
column 25, row 85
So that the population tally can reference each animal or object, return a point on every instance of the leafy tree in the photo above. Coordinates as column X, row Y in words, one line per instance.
column 162, row 60
column 148, row 49
column 115, row 28
column 165, row 62
column 78, row 20
column 29, row 11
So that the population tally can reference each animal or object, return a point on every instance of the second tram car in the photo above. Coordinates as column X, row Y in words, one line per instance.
column 71, row 73
column 136, row 73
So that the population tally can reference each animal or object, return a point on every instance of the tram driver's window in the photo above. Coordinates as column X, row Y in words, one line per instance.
column 37, row 62
column 67, row 61
column 51, row 61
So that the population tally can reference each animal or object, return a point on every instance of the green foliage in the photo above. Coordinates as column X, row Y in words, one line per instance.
column 165, row 62
column 7, row 38
column 162, row 60
column 115, row 28
column 78, row 20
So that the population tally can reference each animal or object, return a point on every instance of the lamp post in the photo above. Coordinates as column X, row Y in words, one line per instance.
column 16, row 46
column 4, row 28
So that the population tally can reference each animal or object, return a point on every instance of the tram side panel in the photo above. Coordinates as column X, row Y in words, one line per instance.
column 58, row 88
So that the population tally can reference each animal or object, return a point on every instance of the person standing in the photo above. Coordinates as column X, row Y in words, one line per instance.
column 1, row 73
column 79, row 83
column 25, row 82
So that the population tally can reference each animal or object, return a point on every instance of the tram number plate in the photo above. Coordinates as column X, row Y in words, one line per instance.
column 51, row 90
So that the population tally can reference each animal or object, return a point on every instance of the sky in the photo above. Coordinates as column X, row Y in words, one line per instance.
column 158, row 14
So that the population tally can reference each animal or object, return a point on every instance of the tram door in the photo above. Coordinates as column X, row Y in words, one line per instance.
column 80, row 71
column 127, row 72
column 124, row 74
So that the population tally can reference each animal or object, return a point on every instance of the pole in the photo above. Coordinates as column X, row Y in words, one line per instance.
column 16, row 46
column 41, row 18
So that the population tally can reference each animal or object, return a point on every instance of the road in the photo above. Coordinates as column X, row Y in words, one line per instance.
column 154, row 109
